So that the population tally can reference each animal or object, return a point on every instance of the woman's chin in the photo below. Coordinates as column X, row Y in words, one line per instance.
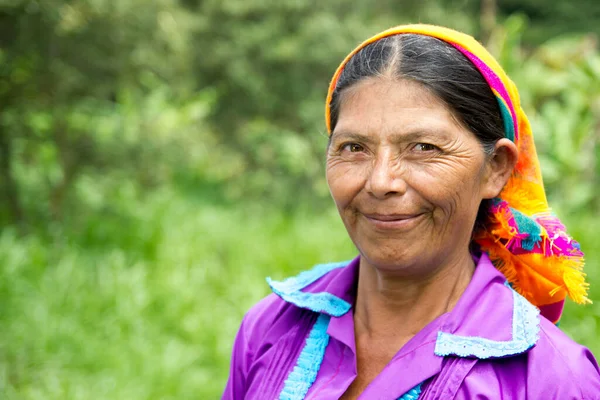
column 393, row 261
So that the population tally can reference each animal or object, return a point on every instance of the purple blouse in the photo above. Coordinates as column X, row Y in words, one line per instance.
column 298, row 343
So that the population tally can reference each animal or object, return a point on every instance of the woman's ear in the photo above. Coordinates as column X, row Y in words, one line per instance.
column 500, row 166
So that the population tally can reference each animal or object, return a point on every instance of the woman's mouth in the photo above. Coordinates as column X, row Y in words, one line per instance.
column 393, row 221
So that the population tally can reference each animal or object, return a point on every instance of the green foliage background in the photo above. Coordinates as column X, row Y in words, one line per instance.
column 159, row 158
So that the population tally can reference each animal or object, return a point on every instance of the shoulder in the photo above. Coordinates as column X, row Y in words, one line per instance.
column 267, row 320
column 303, row 291
column 268, row 311
column 559, row 364
column 555, row 368
column 575, row 358
column 294, row 303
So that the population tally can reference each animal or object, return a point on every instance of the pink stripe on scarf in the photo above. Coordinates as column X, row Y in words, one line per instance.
column 493, row 80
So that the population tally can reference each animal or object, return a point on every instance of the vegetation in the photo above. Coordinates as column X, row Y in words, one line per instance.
column 159, row 159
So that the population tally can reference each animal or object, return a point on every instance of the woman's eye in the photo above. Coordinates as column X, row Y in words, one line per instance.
column 425, row 147
column 353, row 147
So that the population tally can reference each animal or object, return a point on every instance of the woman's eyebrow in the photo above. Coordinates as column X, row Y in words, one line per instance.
column 349, row 135
column 404, row 137
column 418, row 135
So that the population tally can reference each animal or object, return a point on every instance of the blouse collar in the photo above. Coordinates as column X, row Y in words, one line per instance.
column 469, row 330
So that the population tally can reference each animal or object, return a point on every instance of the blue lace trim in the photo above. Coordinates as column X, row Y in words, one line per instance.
column 309, row 362
column 290, row 291
column 412, row 394
column 525, row 333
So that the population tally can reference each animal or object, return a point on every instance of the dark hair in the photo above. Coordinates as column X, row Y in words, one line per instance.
column 441, row 68
column 438, row 66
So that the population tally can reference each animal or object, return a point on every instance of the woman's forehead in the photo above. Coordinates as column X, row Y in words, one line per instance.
column 391, row 105
column 387, row 86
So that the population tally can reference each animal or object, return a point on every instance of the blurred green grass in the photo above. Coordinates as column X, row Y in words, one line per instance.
column 150, row 311
column 154, row 320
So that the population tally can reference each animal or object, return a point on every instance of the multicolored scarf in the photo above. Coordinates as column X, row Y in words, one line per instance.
column 526, row 242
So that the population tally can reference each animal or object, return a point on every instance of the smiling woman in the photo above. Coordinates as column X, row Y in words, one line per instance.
column 432, row 166
column 412, row 179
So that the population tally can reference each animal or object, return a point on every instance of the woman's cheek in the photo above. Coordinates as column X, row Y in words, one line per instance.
column 345, row 180
column 445, row 188
column 341, row 168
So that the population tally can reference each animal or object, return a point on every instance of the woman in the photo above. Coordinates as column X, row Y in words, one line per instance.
column 432, row 166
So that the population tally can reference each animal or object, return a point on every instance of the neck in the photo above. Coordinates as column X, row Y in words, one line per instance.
column 389, row 306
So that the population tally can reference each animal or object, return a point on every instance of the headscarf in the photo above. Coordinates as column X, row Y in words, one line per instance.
column 522, row 237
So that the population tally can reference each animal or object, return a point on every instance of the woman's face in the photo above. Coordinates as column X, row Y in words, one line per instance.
column 406, row 177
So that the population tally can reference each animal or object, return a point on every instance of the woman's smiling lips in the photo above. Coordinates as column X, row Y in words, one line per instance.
column 393, row 221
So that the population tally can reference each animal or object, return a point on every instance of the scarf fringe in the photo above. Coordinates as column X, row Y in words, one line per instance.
column 545, row 266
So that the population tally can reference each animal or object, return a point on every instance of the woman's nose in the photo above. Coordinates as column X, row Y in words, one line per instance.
column 386, row 177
